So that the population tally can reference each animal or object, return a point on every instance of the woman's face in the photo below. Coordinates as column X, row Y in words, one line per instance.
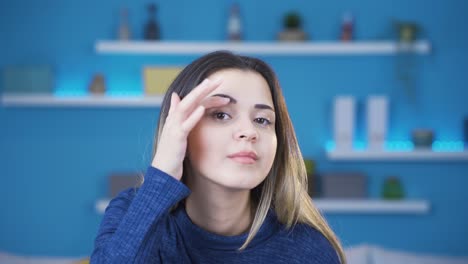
column 235, row 145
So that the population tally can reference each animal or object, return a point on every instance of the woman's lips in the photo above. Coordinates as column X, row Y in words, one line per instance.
column 244, row 160
column 245, row 157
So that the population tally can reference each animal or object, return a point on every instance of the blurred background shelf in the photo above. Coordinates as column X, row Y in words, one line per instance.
column 373, row 206
column 347, row 206
column 420, row 155
column 261, row 48
column 18, row 100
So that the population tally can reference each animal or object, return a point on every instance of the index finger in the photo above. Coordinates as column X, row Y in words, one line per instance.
column 215, row 101
column 194, row 98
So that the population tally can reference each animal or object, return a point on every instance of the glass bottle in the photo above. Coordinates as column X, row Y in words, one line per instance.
column 234, row 24
column 124, row 28
column 347, row 27
column 152, row 28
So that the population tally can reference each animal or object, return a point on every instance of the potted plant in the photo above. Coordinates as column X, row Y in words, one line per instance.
column 392, row 189
column 406, row 34
column 407, row 31
column 292, row 23
column 311, row 177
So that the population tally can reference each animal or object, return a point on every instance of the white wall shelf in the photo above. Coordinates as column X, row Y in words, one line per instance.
column 416, row 155
column 17, row 100
column 261, row 48
column 347, row 206
column 373, row 206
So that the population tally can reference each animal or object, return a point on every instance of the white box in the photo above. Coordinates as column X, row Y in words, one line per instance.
column 377, row 121
column 343, row 122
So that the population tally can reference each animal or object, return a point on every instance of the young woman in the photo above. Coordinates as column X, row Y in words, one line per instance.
column 227, row 183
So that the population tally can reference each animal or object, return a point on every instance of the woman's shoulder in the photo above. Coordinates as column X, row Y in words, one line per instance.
column 309, row 243
column 123, row 199
column 127, row 193
column 304, row 231
column 158, row 188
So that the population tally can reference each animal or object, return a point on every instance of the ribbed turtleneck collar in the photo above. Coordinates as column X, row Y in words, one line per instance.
column 202, row 239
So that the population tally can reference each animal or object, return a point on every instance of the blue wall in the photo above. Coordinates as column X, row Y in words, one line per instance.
column 55, row 161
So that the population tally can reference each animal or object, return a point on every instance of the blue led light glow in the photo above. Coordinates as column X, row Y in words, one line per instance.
column 406, row 145
column 448, row 146
column 400, row 145
column 120, row 93
column 330, row 146
column 70, row 93
column 359, row 145
column 110, row 93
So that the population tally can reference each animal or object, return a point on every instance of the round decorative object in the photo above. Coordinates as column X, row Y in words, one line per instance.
column 422, row 138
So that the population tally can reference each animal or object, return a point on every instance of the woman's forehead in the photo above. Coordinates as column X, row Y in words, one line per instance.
column 242, row 85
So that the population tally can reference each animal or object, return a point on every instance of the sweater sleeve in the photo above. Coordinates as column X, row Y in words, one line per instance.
column 133, row 215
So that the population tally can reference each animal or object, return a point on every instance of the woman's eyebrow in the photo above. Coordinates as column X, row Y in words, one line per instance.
column 234, row 101
column 231, row 100
column 264, row 106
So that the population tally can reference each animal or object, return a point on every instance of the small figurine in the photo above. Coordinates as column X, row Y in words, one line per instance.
column 98, row 85
column 152, row 28
column 347, row 27
column 234, row 24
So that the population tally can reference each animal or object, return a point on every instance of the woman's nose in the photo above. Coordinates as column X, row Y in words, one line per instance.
column 246, row 132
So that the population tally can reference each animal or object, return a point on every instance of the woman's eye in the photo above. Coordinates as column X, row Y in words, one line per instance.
column 262, row 121
column 220, row 115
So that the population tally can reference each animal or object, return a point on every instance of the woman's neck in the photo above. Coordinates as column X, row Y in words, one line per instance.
column 218, row 209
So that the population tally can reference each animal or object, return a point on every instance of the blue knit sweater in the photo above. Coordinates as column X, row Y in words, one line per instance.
column 138, row 227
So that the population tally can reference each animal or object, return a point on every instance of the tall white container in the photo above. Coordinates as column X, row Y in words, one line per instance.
column 344, row 115
column 377, row 121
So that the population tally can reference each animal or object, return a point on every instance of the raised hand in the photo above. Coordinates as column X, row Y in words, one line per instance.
column 182, row 117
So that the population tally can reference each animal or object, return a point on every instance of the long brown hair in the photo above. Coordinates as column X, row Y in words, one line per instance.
column 285, row 187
